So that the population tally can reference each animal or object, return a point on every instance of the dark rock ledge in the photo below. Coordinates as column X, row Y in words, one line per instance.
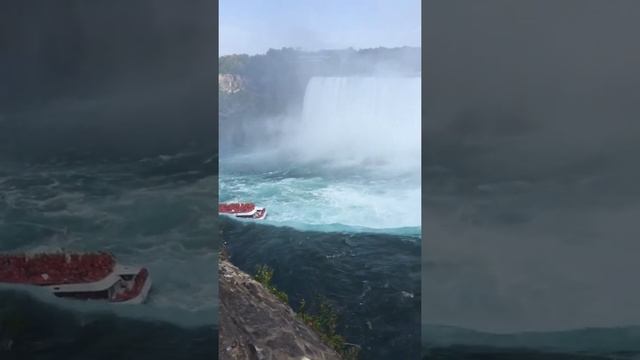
column 256, row 325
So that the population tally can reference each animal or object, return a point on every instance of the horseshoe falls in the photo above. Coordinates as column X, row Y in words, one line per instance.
column 350, row 161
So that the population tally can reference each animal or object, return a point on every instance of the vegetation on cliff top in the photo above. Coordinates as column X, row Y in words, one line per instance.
column 324, row 62
column 277, row 79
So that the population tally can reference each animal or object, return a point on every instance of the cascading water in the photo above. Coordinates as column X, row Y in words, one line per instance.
column 361, row 120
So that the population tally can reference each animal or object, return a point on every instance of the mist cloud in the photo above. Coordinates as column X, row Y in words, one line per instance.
column 112, row 79
column 530, row 136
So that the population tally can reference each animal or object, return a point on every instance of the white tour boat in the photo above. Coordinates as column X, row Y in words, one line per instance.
column 86, row 276
column 243, row 210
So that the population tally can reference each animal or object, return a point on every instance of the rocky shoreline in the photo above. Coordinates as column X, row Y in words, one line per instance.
column 254, row 324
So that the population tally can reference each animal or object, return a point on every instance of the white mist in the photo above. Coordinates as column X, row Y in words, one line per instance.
column 368, row 121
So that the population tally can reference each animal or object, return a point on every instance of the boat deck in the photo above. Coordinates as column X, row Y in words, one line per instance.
column 55, row 269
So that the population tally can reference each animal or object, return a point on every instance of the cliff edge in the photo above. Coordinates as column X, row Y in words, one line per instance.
column 254, row 324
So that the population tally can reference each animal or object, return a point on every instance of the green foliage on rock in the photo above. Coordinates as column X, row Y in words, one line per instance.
column 264, row 274
column 324, row 321
column 233, row 64
column 322, row 317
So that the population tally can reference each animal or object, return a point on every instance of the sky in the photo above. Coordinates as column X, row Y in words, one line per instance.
column 254, row 26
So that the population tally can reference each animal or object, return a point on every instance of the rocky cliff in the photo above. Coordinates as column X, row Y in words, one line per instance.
column 254, row 324
column 230, row 83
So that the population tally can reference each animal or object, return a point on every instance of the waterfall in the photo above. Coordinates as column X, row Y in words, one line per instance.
column 361, row 121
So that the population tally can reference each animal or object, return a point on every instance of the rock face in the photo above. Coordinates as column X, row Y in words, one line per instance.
column 254, row 324
column 230, row 83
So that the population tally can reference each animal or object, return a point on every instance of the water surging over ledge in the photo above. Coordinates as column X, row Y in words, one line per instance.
column 361, row 121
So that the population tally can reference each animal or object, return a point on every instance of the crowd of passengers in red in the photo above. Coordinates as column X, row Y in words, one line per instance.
column 236, row 208
column 50, row 269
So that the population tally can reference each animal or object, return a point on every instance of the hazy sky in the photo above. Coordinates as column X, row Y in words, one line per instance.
column 254, row 26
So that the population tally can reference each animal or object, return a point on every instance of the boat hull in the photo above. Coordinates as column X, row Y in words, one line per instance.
column 142, row 296
column 243, row 211
column 89, row 276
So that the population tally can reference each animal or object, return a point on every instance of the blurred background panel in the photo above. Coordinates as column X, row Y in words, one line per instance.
column 530, row 139
column 107, row 79
column 108, row 142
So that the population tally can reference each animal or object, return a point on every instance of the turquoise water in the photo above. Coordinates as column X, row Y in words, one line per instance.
column 349, row 235
column 314, row 202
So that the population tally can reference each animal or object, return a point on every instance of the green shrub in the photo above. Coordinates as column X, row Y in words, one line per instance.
column 264, row 274
column 324, row 322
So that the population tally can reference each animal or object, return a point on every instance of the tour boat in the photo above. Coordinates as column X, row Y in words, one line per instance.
column 243, row 210
column 86, row 276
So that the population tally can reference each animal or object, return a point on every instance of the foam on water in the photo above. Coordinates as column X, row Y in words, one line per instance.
column 315, row 203
column 151, row 311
